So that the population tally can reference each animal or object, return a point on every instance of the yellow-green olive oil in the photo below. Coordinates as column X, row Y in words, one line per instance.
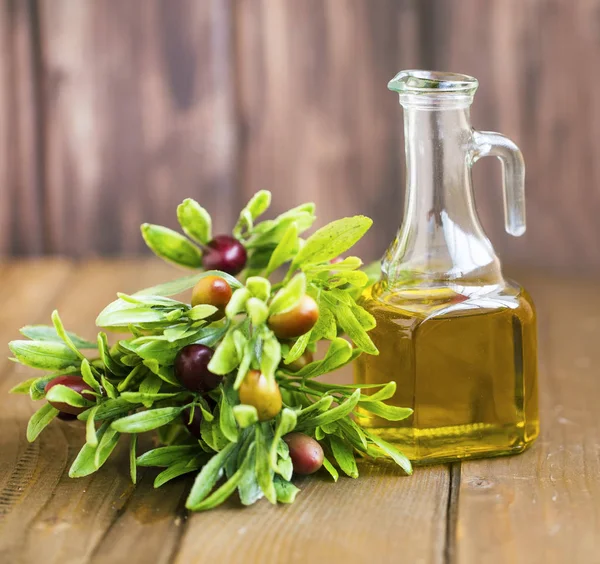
column 466, row 363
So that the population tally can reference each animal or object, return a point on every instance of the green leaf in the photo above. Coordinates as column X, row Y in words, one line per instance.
column 167, row 456
column 60, row 331
column 39, row 420
column 332, row 240
column 342, row 410
column 259, row 287
column 171, row 246
column 392, row 453
column 331, row 469
column 344, row 456
column 298, row 349
column 47, row 355
column 113, row 365
column 338, row 354
column 174, row 287
column 257, row 310
column 321, row 405
column 245, row 415
column 179, row 469
column 270, row 357
column 289, row 296
column 248, row 487
column 194, row 220
column 286, row 424
column 106, row 444
column 227, row 419
column 354, row 329
column 208, row 477
column 88, row 376
column 237, row 303
column 285, row 250
column 47, row 333
column 257, row 205
column 264, row 472
column 90, row 428
column 109, row 409
column 120, row 314
column 146, row 420
column 225, row 359
column 132, row 459
column 22, row 387
column 286, row 491
column 326, row 327
column 349, row 263
column 64, row 394
column 389, row 412
column 91, row 458
column 201, row 311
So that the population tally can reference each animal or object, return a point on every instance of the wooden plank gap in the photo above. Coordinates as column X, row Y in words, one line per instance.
column 452, row 513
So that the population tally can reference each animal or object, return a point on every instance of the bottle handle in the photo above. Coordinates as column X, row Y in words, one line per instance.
column 491, row 144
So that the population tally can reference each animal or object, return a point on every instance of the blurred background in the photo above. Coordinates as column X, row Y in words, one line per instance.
column 113, row 111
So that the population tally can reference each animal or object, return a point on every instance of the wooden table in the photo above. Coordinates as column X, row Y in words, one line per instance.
column 541, row 506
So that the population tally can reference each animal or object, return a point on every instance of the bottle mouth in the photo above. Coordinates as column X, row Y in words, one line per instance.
column 433, row 86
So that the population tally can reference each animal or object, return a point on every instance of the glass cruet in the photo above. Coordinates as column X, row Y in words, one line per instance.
column 456, row 336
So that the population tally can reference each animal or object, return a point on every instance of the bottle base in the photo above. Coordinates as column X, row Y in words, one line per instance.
column 459, row 442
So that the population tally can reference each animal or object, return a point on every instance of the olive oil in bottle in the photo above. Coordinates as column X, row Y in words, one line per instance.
column 466, row 366
column 457, row 338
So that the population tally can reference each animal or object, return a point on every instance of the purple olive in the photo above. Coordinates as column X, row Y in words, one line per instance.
column 224, row 253
column 191, row 369
column 305, row 452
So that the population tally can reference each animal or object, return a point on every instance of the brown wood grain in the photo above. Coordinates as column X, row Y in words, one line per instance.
column 542, row 506
column 139, row 115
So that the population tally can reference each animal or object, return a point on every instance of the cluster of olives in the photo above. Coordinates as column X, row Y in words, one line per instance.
column 227, row 254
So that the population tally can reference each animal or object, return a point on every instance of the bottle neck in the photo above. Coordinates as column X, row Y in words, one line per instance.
column 441, row 240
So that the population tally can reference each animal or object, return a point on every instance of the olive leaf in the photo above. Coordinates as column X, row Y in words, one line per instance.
column 264, row 472
column 180, row 285
column 225, row 359
column 289, row 296
column 109, row 409
column 133, row 459
column 286, row 423
column 194, row 220
column 88, row 376
column 331, row 469
column 270, row 356
column 333, row 414
column 39, row 420
column 338, row 354
column 285, row 491
column 64, row 394
column 258, row 204
column 389, row 412
column 332, row 240
column 47, row 355
column 179, row 469
column 298, row 349
column 146, row 420
column 391, row 451
column 167, row 456
column 245, row 415
column 257, row 310
column 22, row 387
column 285, row 249
column 226, row 416
column 91, row 458
column 47, row 333
column 171, row 246
column 344, row 456
column 259, row 287
column 90, row 428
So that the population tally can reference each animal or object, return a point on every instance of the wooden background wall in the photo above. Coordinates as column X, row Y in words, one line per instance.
column 113, row 111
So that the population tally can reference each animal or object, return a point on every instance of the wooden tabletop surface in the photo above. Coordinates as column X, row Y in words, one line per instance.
column 541, row 506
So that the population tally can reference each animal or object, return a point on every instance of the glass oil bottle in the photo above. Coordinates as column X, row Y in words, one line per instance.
column 458, row 338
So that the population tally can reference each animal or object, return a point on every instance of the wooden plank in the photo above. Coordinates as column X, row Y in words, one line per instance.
column 318, row 123
column 379, row 518
column 21, row 153
column 139, row 116
column 542, row 506
column 47, row 514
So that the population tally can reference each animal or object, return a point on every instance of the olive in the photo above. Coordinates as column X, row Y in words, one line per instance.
column 262, row 393
column 191, row 369
column 300, row 362
column 214, row 291
column 224, row 253
column 75, row 383
column 305, row 452
column 297, row 321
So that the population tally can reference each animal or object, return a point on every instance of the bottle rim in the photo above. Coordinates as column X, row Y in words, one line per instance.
column 425, row 82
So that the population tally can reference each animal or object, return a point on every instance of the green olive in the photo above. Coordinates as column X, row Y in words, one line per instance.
column 297, row 321
column 214, row 291
column 262, row 393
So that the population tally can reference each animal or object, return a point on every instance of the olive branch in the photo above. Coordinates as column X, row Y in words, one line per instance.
column 228, row 381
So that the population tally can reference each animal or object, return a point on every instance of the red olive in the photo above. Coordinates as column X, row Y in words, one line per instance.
column 191, row 369
column 262, row 393
column 305, row 452
column 300, row 362
column 214, row 291
column 225, row 253
column 75, row 383
column 297, row 321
